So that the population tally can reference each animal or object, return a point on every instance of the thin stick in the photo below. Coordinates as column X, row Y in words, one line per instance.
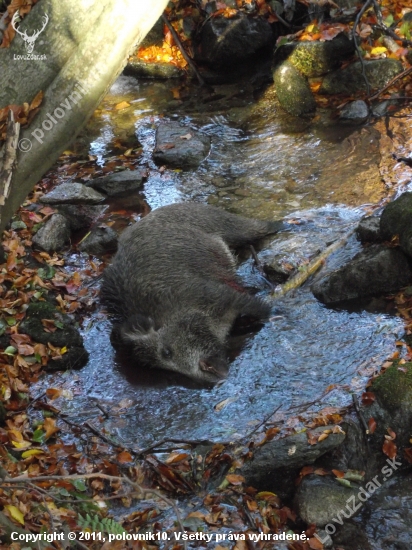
column 181, row 48
column 297, row 280
column 9, row 157
column 355, row 26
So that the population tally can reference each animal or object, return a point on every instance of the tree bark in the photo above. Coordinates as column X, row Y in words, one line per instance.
column 86, row 44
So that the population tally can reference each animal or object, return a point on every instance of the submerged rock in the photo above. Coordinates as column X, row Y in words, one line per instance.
column 72, row 193
column 54, row 234
column 119, row 183
column 65, row 335
column 355, row 112
column 144, row 69
column 315, row 58
column 180, row 146
column 350, row 79
column 225, row 42
column 99, row 241
column 293, row 91
column 376, row 270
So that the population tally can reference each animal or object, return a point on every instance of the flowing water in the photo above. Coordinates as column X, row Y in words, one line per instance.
column 321, row 177
column 262, row 164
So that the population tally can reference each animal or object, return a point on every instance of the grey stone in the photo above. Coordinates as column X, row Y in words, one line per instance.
column 119, row 183
column 180, row 146
column 225, row 42
column 155, row 36
column 292, row 90
column 350, row 79
column 316, row 58
column 406, row 241
column 80, row 216
column 375, row 270
column 320, row 498
column 368, row 230
column 99, row 241
column 355, row 111
column 293, row 451
column 72, row 193
column 139, row 68
column 54, row 234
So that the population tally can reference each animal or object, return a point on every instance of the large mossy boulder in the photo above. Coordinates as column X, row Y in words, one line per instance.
column 293, row 91
column 316, row 58
column 350, row 80
column 60, row 332
column 394, row 387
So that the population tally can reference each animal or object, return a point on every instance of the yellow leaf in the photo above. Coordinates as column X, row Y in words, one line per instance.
column 15, row 513
column 21, row 444
column 310, row 27
column 31, row 452
column 378, row 50
column 63, row 350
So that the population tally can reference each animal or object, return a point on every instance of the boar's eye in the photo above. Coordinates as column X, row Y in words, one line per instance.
column 167, row 353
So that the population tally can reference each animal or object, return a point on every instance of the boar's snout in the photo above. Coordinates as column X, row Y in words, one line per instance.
column 215, row 366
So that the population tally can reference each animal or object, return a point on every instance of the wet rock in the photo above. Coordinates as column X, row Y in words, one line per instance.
column 290, row 452
column 180, row 146
column 65, row 335
column 352, row 537
column 350, row 80
column 99, row 241
column 80, row 216
column 144, row 69
column 406, row 241
column 155, row 36
column 320, row 498
column 385, row 520
column 292, row 90
column 72, row 193
column 376, row 270
column 54, row 234
column 397, row 216
column 355, row 112
column 226, row 42
column 316, row 58
column 368, row 230
column 119, row 183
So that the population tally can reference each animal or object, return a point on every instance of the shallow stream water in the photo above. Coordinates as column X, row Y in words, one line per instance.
column 262, row 164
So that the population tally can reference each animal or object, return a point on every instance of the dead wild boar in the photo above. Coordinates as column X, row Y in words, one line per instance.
column 174, row 291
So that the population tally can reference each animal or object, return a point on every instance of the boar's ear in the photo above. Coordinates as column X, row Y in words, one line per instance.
column 135, row 328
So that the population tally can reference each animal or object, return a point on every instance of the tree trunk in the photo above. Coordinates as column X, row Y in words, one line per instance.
column 86, row 44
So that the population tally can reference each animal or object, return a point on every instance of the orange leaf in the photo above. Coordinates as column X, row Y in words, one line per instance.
column 53, row 393
column 235, row 479
column 339, row 473
column 368, row 398
column 124, row 457
column 372, row 425
column 389, row 448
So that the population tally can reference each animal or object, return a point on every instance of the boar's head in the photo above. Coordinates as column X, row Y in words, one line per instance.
column 185, row 344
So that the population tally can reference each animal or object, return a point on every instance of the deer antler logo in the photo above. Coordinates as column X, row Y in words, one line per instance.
column 29, row 40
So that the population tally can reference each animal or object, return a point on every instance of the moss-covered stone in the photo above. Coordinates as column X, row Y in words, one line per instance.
column 65, row 336
column 350, row 80
column 397, row 216
column 394, row 387
column 293, row 91
column 317, row 58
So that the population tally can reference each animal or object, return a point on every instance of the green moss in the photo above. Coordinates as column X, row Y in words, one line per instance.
column 394, row 386
column 41, row 310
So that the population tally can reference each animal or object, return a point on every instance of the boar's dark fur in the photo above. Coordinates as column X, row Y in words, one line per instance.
column 173, row 288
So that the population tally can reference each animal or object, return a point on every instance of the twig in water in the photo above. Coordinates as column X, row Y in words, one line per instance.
column 355, row 26
column 360, row 415
column 181, row 48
